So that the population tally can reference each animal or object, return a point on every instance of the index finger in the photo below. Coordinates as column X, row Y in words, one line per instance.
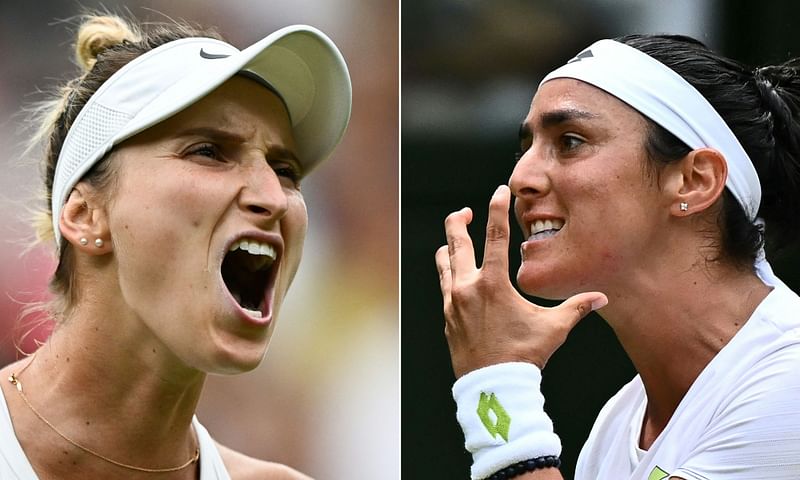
column 495, row 253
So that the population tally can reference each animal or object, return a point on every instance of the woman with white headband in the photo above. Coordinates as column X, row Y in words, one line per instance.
column 172, row 174
column 651, row 170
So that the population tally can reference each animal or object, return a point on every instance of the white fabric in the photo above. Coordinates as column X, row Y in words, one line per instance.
column 299, row 62
column 211, row 465
column 14, row 464
column 739, row 420
column 515, row 387
column 663, row 96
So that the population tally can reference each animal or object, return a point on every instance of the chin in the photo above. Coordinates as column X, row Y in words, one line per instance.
column 233, row 357
column 542, row 283
column 232, row 365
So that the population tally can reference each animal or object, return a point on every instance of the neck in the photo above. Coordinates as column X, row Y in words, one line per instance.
column 673, row 322
column 114, row 389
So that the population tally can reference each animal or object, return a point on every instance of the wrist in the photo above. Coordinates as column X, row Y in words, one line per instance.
column 461, row 369
column 501, row 411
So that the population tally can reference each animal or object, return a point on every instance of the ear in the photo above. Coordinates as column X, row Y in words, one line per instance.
column 83, row 221
column 699, row 182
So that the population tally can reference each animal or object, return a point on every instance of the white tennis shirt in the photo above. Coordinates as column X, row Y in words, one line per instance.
column 14, row 465
column 739, row 420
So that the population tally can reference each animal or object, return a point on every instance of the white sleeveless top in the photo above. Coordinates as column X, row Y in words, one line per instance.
column 14, row 465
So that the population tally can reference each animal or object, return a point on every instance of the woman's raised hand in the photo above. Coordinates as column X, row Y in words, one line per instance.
column 486, row 320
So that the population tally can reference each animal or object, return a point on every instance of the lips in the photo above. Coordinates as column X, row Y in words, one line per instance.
column 248, row 270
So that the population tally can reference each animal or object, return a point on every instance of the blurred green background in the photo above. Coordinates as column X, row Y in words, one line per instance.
column 469, row 70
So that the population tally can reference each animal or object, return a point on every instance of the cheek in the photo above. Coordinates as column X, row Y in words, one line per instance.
column 167, row 202
column 163, row 219
column 293, row 229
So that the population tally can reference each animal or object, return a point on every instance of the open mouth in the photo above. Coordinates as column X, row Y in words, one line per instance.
column 247, row 273
column 541, row 229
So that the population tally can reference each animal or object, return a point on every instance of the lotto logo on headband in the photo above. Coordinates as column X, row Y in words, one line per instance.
column 584, row 54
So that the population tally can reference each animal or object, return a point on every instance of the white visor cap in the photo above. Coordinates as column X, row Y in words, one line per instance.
column 300, row 63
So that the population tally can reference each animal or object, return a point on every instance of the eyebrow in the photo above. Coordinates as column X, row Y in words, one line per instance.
column 274, row 152
column 213, row 132
column 556, row 117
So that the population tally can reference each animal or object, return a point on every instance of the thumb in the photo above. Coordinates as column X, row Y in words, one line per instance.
column 578, row 306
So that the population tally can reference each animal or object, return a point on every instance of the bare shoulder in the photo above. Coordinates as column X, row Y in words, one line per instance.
column 242, row 467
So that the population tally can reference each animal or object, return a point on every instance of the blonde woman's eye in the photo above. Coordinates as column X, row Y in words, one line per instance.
column 288, row 171
column 208, row 150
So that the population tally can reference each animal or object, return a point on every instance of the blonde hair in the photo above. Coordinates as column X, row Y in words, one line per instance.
column 95, row 35
column 104, row 44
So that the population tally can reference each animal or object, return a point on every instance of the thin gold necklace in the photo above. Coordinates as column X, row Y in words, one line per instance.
column 14, row 379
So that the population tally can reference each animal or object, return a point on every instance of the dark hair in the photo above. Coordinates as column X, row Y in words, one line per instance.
column 760, row 106
column 104, row 44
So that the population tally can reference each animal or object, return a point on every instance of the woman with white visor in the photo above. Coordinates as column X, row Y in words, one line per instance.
column 172, row 171
column 651, row 172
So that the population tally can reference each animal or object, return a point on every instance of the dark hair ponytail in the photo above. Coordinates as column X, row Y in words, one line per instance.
column 762, row 108
column 779, row 89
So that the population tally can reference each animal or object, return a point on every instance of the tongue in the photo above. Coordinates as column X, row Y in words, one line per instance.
column 238, row 297
column 253, row 313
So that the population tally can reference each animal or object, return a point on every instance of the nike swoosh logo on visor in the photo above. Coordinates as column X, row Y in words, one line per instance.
column 212, row 56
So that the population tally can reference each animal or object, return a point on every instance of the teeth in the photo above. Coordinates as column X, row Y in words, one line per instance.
column 540, row 226
column 253, row 313
column 254, row 247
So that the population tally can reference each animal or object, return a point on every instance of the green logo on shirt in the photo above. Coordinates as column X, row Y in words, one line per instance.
column 658, row 474
column 490, row 403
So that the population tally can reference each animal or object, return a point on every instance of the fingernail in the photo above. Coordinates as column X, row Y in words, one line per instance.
column 599, row 303
column 497, row 190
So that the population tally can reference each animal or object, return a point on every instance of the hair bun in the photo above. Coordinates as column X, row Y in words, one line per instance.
column 778, row 88
column 97, row 33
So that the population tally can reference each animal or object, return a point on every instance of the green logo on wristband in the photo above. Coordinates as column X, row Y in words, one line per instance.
column 501, row 424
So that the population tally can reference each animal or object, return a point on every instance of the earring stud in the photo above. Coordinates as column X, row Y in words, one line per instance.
column 684, row 206
column 98, row 243
column 84, row 241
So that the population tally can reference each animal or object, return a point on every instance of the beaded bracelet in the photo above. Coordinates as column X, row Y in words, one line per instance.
column 525, row 466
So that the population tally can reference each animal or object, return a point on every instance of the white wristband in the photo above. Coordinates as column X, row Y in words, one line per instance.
column 501, row 410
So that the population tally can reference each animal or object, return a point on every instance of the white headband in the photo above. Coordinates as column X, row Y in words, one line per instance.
column 663, row 96
column 299, row 63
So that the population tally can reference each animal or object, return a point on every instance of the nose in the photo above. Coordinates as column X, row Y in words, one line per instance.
column 529, row 178
column 262, row 195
